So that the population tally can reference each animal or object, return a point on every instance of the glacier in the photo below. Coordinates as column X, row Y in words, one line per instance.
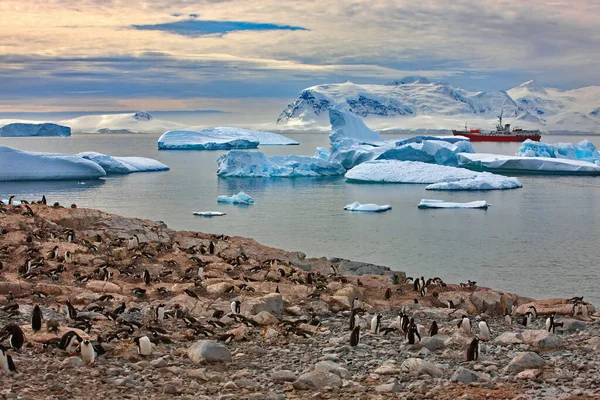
column 123, row 165
column 220, row 138
column 527, row 165
column 18, row 165
column 19, row 129
column 237, row 163
column 369, row 207
column 394, row 171
column 430, row 203
column 240, row 198
column 585, row 150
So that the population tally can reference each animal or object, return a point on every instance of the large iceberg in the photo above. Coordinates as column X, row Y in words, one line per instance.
column 369, row 207
column 18, row 165
column 585, row 150
column 527, row 165
column 240, row 198
column 394, row 171
column 123, row 165
column 430, row 203
column 219, row 138
column 19, row 129
column 257, row 165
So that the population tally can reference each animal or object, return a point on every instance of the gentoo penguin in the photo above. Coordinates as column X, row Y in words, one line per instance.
column 356, row 303
column 44, row 202
column 15, row 335
column 69, row 341
column 11, row 200
column 423, row 291
column 54, row 253
column 473, row 350
column 6, row 361
column 433, row 330
column 211, row 248
column 450, row 304
column 405, row 321
column 465, row 325
column 533, row 312
column 200, row 272
column 527, row 318
column 507, row 319
column 421, row 283
column 190, row 293
column 277, row 289
column 376, row 323
column 36, row 318
column 133, row 243
column 417, row 285
column 354, row 319
column 484, row 330
column 144, row 345
column 550, row 323
column 355, row 336
column 146, row 277
column 88, row 354
column 412, row 331
column 235, row 306
column 159, row 313
column 71, row 311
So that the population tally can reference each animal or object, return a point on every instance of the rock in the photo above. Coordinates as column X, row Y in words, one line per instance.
column 219, row 288
column 573, row 324
column 265, row 318
column 246, row 383
column 532, row 336
column 317, row 380
column 351, row 268
column 386, row 369
column 349, row 292
column 491, row 302
column 283, row 375
column 103, row 287
column 529, row 374
column 198, row 374
column 509, row 338
column 525, row 360
column 417, row 367
column 433, row 343
column 72, row 362
column 209, row 351
column 393, row 387
column 342, row 302
column 465, row 376
column 272, row 303
column 334, row 368
column 551, row 306
column 230, row 385
column 159, row 363
column 170, row 389
column 550, row 342
column 17, row 287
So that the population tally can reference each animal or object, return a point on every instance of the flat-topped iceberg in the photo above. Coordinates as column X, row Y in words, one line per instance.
column 369, row 207
column 20, row 129
column 585, row 150
column 219, row 138
column 209, row 213
column 527, row 165
column 123, row 165
column 430, row 203
column 240, row 198
column 394, row 171
column 257, row 165
column 18, row 165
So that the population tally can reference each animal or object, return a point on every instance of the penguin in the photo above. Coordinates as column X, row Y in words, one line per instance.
column 10, row 297
column 120, row 309
column 404, row 323
column 36, row 318
column 159, row 313
column 356, row 303
column 416, row 285
column 70, row 236
column 412, row 331
column 200, row 272
column 133, row 243
column 235, row 306
column 451, row 304
column 527, row 318
column 388, row 294
column 71, row 311
column 376, row 324
column 465, row 325
column 421, row 282
column 355, row 336
column 69, row 341
column 6, row 361
column 16, row 337
column 43, row 201
column 277, row 289
column 473, row 350
column 144, row 345
column 190, row 293
column 146, row 277
column 433, row 330
column 533, row 312
column 423, row 291
column 88, row 353
column 584, row 310
column 507, row 319
column 484, row 330
column 11, row 200
column 211, row 248
column 54, row 253
column 550, row 323
column 354, row 319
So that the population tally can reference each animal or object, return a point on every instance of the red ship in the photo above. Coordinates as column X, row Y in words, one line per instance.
column 501, row 134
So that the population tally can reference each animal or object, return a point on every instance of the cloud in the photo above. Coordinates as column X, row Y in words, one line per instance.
column 195, row 28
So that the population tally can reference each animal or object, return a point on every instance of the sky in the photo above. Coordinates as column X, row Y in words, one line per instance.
column 249, row 55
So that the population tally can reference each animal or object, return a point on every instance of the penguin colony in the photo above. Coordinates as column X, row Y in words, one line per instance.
column 54, row 255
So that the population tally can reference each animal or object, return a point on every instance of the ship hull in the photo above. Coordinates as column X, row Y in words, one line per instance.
column 477, row 137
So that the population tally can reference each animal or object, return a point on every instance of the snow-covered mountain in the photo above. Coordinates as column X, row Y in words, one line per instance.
column 415, row 103
column 139, row 122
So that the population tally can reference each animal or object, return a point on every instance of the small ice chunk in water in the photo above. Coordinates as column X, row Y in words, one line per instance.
column 431, row 203
column 209, row 213
column 369, row 207
column 240, row 198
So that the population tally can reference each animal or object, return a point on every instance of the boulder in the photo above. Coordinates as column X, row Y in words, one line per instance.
column 509, row 338
column 103, row 287
column 433, row 343
column 491, row 302
column 529, row 374
column 418, row 367
column 265, row 318
column 550, row 341
column 219, row 288
column 209, row 351
column 525, row 360
column 465, row 376
column 393, row 387
column 17, row 287
column 573, row 324
column 349, row 292
column 551, row 306
column 273, row 303
column 334, row 368
column 317, row 380
column 533, row 335
column 283, row 375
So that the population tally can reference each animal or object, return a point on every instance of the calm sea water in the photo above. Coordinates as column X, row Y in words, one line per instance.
column 539, row 241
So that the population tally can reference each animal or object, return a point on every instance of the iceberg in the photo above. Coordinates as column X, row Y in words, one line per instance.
column 527, row 165
column 240, row 198
column 209, row 213
column 18, row 165
column 429, row 203
column 123, row 165
column 585, row 150
column 369, row 207
column 220, row 138
column 394, row 171
column 252, row 164
column 19, row 129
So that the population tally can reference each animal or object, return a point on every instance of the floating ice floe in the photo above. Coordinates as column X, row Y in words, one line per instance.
column 18, row 165
column 219, row 138
column 430, row 203
column 257, row 165
column 584, row 151
column 527, row 165
column 240, row 198
column 369, row 207
column 209, row 213
column 448, row 178
column 123, row 165
column 19, row 129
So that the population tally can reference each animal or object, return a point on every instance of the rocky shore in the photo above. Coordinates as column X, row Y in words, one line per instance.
column 291, row 337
